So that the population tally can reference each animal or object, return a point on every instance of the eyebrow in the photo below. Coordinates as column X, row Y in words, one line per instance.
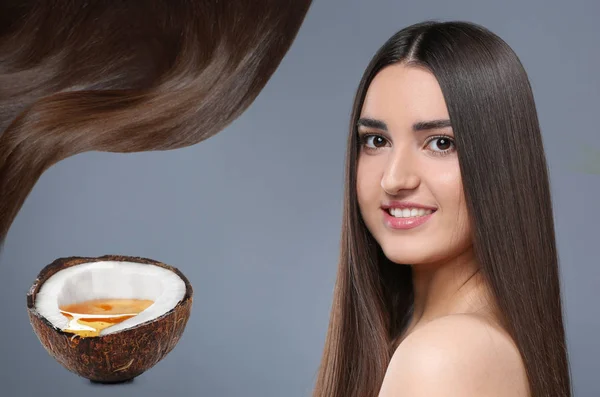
column 418, row 126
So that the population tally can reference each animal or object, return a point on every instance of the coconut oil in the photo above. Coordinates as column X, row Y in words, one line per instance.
column 90, row 317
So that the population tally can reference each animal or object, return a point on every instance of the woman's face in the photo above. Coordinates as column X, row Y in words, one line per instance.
column 408, row 179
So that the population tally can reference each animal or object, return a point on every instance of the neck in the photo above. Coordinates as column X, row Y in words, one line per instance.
column 450, row 287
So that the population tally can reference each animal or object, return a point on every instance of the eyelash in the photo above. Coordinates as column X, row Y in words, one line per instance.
column 364, row 138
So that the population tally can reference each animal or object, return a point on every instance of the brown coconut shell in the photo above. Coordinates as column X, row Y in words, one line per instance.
column 116, row 357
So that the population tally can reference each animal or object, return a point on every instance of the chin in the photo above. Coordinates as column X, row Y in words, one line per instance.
column 423, row 254
column 407, row 250
column 408, row 256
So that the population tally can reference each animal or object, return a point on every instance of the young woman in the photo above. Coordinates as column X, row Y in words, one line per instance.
column 448, row 281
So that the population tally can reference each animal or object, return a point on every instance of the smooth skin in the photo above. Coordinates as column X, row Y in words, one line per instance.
column 453, row 345
column 457, row 355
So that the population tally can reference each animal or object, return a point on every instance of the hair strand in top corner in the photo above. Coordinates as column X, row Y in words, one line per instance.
column 89, row 76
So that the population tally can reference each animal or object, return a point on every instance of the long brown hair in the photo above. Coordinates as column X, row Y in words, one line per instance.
column 127, row 76
column 507, row 192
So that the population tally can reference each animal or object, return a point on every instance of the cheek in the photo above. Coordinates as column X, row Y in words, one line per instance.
column 366, row 183
column 462, row 224
column 448, row 185
column 453, row 203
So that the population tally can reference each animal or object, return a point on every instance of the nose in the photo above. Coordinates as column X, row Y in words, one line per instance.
column 400, row 173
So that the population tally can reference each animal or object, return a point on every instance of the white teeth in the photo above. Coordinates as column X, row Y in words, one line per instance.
column 408, row 212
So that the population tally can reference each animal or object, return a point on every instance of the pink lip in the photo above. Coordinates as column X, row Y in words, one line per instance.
column 405, row 223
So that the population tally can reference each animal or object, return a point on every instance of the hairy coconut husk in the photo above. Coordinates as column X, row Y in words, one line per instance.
column 115, row 357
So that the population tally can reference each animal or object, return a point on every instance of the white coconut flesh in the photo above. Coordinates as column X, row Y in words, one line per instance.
column 110, row 280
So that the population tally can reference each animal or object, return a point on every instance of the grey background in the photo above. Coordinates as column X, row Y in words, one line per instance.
column 252, row 216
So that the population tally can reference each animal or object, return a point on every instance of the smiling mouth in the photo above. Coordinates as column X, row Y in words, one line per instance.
column 408, row 212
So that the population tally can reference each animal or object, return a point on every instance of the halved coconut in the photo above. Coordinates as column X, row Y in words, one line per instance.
column 124, row 350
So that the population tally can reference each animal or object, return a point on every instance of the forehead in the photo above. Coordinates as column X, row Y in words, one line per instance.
column 401, row 95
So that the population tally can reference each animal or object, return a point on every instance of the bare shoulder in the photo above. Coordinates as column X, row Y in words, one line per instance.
column 456, row 355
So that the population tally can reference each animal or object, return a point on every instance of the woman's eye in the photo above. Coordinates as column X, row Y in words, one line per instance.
column 373, row 141
column 441, row 144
